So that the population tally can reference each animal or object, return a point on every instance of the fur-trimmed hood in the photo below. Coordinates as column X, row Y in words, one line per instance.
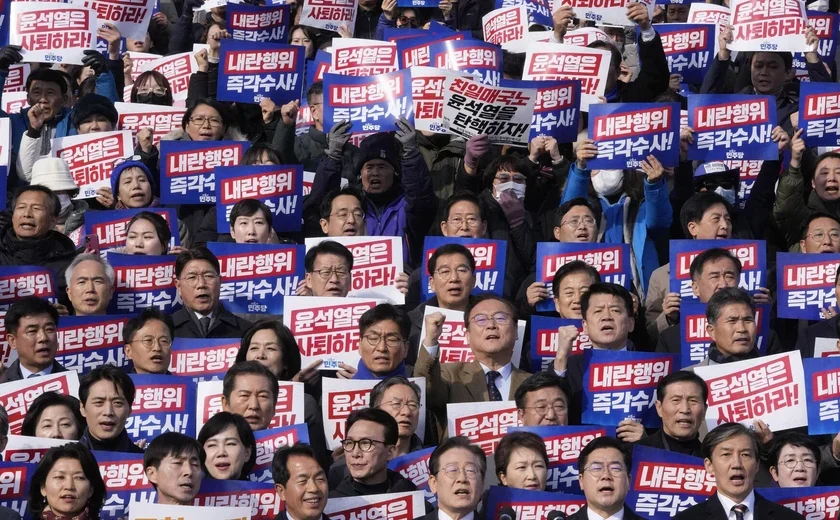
column 231, row 134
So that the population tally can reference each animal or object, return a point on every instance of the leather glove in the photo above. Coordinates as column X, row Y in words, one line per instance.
column 513, row 209
column 407, row 136
column 477, row 146
column 10, row 55
column 336, row 139
column 96, row 61
column 192, row 5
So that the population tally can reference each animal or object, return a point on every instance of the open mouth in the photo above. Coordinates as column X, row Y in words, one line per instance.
column 222, row 466
column 738, row 479
column 313, row 502
column 606, row 489
column 491, row 337
column 350, row 231
column 608, row 327
column 252, row 241
column 582, row 236
column 800, row 480
column 462, row 492
column 203, row 298
column 455, row 291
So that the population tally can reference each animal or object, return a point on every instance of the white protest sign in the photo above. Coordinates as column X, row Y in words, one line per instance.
column 826, row 347
column 342, row 396
column 361, row 57
column 453, row 344
column 16, row 80
column 309, row 178
column 136, row 116
column 699, row 12
column 768, row 25
column 329, row 14
column 52, row 33
column 131, row 17
column 5, row 141
column 289, row 409
column 770, row 388
column 508, row 24
column 14, row 102
column 554, row 61
column 609, row 12
column 390, row 506
column 212, row 4
column 528, row 41
column 177, row 69
column 17, row 396
column 584, row 36
column 91, row 158
column 21, row 448
column 150, row 511
column 427, row 89
column 484, row 424
column 139, row 60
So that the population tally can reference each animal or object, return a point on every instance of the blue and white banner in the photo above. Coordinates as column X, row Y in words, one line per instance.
column 544, row 340
column 822, row 388
column 15, row 479
column 88, row 342
column 162, row 404
column 539, row 11
column 268, row 442
column 415, row 467
column 280, row 187
column 415, row 50
column 626, row 133
column 203, row 359
column 316, row 68
column 372, row 103
column 810, row 502
column 689, row 49
column 125, row 482
column 732, row 126
column 695, row 340
column 143, row 281
column 111, row 226
column 826, row 26
column 805, row 284
column 259, row 497
column 252, row 71
column 751, row 253
column 29, row 280
column 254, row 23
column 490, row 259
column 481, row 60
column 524, row 503
column 819, row 113
column 556, row 109
column 186, row 169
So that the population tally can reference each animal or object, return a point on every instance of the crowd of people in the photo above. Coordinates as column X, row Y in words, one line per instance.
column 415, row 184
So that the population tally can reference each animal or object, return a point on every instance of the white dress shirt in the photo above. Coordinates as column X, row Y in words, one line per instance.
column 25, row 373
column 592, row 515
column 727, row 504
column 444, row 516
column 502, row 383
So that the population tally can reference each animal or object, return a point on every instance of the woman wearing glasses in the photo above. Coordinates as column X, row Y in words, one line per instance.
column 794, row 460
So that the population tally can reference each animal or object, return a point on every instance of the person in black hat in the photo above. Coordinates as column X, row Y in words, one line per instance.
column 94, row 113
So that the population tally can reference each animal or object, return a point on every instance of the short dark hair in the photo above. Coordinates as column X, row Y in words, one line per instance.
column 379, row 390
column 385, row 312
column 514, row 441
column 315, row 89
column 462, row 196
column 824, row 156
column 210, row 102
column 290, row 354
column 681, row 376
column 578, row 201
column 803, row 230
column 109, row 373
column 76, row 451
column 601, row 443
column 327, row 247
column 221, row 422
column 450, row 249
column 146, row 315
column 280, row 463
column 696, row 207
column 46, row 400
column 256, row 151
column 380, row 417
column 450, row 444
column 711, row 255
column 326, row 205
column 795, row 439
column 575, row 266
column 52, row 198
column 170, row 444
column 196, row 253
column 615, row 54
column 724, row 297
column 611, row 289
column 160, row 79
column 538, row 381
column 787, row 58
column 248, row 208
column 26, row 307
column 473, row 302
column 48, row 76
column 248, row 368
column 510, row 163
column 725, row 432
column 160, row 224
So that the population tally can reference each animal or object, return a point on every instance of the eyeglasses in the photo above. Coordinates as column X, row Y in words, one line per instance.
column 483, row 320
column 819, row 235
column 713, row 185
column 504, row 177
column 363, row 444
column 150, row 342
column 458, row 222
column 405, row 20
column 344, row 215
column 542, row 408
column 575, row 222
column 156, row 90
column 339, row 272
column 192, row 278
column 396, row 405
column 391, row 340
column 792, row 462
column 446, row 273
column 202, row 120
column 452, row 471
column 596, row 469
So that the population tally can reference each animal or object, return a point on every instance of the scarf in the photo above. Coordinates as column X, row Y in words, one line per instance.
column 716, row 356
column 47, row 514
column 153, row 204
column 362, row 372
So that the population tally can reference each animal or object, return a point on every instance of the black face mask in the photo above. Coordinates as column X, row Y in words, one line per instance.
column 152, row 99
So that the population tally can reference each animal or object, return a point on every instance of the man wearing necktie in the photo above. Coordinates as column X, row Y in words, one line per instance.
column 731, row 455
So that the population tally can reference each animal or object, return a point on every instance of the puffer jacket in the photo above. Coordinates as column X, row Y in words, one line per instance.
column 55, row 251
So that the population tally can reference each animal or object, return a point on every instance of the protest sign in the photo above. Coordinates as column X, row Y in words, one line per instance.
column 528, row 41
column 819, row 113
column 822, row 377
column 17, row 396
column 14, row 102
column 23, row 448
column 665, row 483
column 480, row 60
column 622, row 385
column 749, row 171
column 253, row 23
column 751, row 254
column 732, row 126
column 203, row 359
column 371, row 103
column 544, row 340
column 326, row 328
column 415, row 467
column 138, row 62
column 255, row 278
column 143, row 281
column 162, row 403
column 504, row 25
column 15, row 480
column 414, row 51
column 268, row 442
column 393, row 506
column 5, row 141
column 700, row 12
column 418, row 3
column 557, row 61
column 153, row 511
column 826, row 27
column 768, row 25
column 376, row 263
column 805, row 284
column 137, row 116
column 556, row 108
column 252, row 71
column 177, row 68
column 453, row 343
column 689, row 49
column 279, row 187
column 360, row 57
column 563, row 445
column 810, row 502
column 91, row 158
column 52, row 33
column 316, row 68
column 18, row 282
column 627, row 133
column 490, row 259
column 125, row 482
column 16, row 80
column 88, row 342
column 484, row 423
column 329, row 14
column 603, row 12
column 531, row 505
column 7, row 354
column 504, row 114
column 260, row 499
column 288, row 411
column 111, row 226
column 612, row 261
column 770, row 388
column 539, row 11
column 826, row 347
column 427, row 93
column 130, row 17
column 186, row 169
column 695, row 339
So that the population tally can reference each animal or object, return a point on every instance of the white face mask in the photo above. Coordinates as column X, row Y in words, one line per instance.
column 608, row 182
column 518, row 189
column 65, row 201
column 729, row 195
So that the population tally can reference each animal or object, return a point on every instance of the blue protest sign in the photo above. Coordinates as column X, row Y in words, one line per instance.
column 612, row 261
column 539, row 11
column 689, row 49
column 162, row 404
column 751, row 253
column 280, row 187
column 805, row 284
column 666, row 483
column 125, row 482
column 111, row 226
column 28, row 280
column 316, row 68
column 252, row 71
column 415, row 467
column 810, row 502
column 87, row 342
column 5, row 19
column 819, row 113
column 255, row 23
column 143, row 281
column 268, row 441
column 186, row 169
column 372, row 103
column 257, row 277
column 15, row 479
column 826, row 26
column 479, row 59
column 264, row 502
column 204, row 359
column 418, row 3
column 544, row 340
column 626, row 133
column 822, row 388
column 695, row 340
column 622, row 385
column 556, row 110
column 524, row 503
column 490, row 259
column 732, row 126
column 416, row 50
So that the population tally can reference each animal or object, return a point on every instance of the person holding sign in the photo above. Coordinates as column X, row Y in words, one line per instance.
column 300, row 483
column 456, row 477
column 827, row 328
column 604, row 473
column 31, row 330
column 106, row 394
column 794, row 460
column 90, row 285
column 172, row 463
column 251, row 390
column 681, row 403
column 67, row 484
column 148, row 341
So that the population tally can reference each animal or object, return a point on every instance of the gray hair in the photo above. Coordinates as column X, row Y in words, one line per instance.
column 4, row 422
column 723, row 433
column 109, row 271
column 725, row 297
column 380, row 388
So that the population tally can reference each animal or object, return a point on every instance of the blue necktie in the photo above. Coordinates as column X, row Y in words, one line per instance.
column 495, row 395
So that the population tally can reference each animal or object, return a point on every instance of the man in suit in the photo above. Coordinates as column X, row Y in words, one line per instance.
column 731, row 455
column 681, row 403
column 90, row 284
column 543, row 400
column 328, row 267
column 604, row 475
column 251, row 390
column 456, row 476
column 300, row 483
column 491, row 333
column 198, row 280
column 31, row 325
